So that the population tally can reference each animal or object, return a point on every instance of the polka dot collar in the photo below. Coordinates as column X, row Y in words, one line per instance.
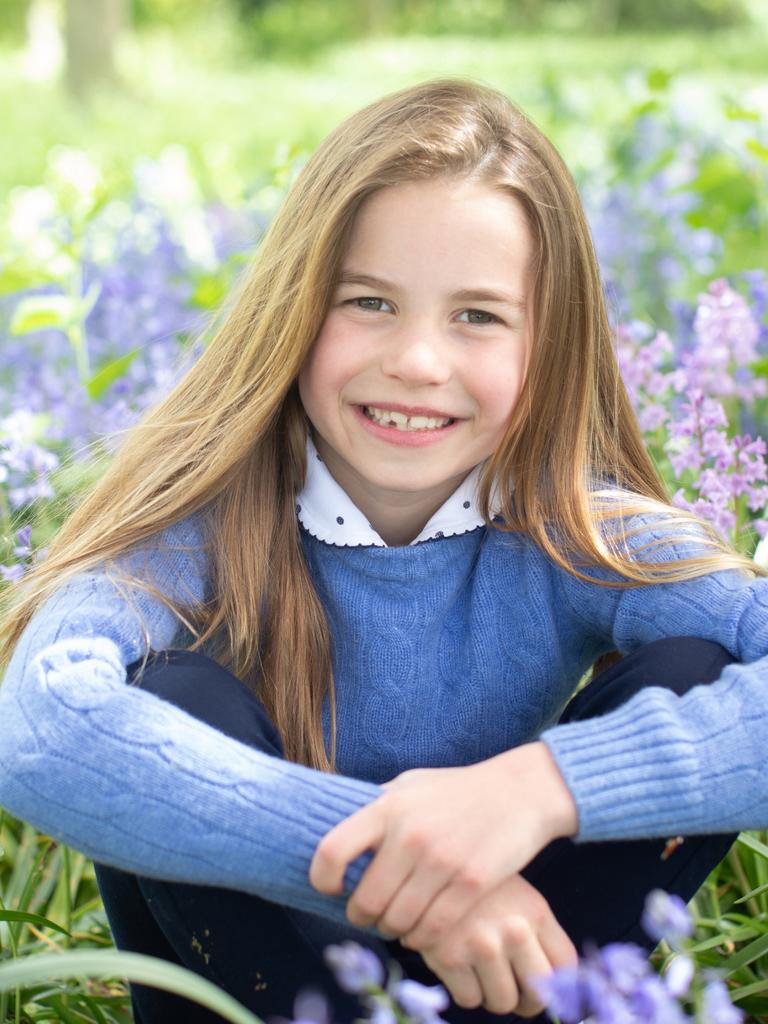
column 327, row 512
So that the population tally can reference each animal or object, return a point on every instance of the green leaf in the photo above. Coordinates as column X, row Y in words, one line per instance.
column 751, row 893
column 23, row 915
column 734, row 935
column 18, row 276
column 753, row 843
column 658, row 79
column 107, row 375
column 210, row 290
column 757, row 148
column 137, row 967
column 748, row 990
column 734, row 113
column 37, row 312
column 646, row 107
column 88, row 301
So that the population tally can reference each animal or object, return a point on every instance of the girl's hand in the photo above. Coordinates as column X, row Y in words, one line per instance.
column 445, row 837
column 489, row 957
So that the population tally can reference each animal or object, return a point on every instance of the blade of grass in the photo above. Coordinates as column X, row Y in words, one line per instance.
column 23, row 915
column 136, row 967
column 748, row 990
column 753, row 843
column 753, row 892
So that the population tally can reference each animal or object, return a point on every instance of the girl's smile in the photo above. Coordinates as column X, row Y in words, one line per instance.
column 412, row 427
column 416, row 370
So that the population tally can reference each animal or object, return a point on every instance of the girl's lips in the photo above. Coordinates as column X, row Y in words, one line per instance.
column 404, row 438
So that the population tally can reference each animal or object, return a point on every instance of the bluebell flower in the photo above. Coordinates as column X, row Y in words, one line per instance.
column 717, row 1007
column 666, row 917
column 311, row 1007
column 562, row 992
column 422, row 1003
column 679, row 975
column 382, row 1014
column 652, row 1002
column 623, row 964
column 23, row 537
column 11, row 573
column 612, row 1008
column 355, row 967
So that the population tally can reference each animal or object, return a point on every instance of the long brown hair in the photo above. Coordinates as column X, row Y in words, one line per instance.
column 229, row 439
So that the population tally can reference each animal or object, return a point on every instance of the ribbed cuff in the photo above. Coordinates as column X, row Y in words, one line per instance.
column 633, row 773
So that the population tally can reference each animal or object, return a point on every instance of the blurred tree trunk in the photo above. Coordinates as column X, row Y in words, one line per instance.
column 606, row 15
column 376, row 16
column 91, row 29
column 527, row 13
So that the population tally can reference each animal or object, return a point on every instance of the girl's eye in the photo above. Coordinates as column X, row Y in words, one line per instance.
column 481, row 312
column 366, row 299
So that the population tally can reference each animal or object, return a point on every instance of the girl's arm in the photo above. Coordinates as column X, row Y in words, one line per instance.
column 135, row 782
column 664, row 764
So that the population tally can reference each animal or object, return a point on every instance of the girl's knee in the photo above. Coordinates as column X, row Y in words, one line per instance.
column 677, row 663
column 206, row 690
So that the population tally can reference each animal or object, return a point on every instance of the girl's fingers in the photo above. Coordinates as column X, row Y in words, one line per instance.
column 448, row 907
column 528, row 961
column 414, row 901
column 555, row 942
column 500, row 993
column 553, row 949
column 361, row 831
column 462, row 982
column 380, row 885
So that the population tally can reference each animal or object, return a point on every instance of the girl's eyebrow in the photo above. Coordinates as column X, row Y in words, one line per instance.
column 464, row 295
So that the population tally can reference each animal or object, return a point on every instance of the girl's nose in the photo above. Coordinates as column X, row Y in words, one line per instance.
column 417, row 356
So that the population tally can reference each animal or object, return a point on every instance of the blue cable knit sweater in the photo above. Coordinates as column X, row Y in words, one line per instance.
column 446, row 652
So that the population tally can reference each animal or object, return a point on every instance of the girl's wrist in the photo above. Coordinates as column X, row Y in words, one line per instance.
column 534, row 771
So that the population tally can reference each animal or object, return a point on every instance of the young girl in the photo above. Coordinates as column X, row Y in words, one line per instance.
column 296, row 670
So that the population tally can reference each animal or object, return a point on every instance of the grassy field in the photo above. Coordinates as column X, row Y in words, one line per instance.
column 200, row 88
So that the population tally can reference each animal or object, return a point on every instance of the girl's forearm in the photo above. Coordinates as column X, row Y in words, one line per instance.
column 532, row 767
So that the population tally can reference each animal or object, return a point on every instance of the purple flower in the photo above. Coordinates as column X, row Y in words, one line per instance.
column 717, row 1007
column 355, row 967
column 623, row 965
column 666, row 916
column 422, row 1003
column 563, row 993
column 652, row 1003
column 12, row 573
column 724, row 320
column 23, row 536
column 382, row 1014
column 311, row 1007
column 679, row 975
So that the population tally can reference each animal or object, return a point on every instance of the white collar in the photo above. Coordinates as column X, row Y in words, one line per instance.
column 327, row 512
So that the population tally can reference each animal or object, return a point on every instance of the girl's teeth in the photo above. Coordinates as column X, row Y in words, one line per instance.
column 402, row 422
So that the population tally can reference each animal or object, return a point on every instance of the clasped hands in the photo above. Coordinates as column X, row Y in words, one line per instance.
column 449, row 845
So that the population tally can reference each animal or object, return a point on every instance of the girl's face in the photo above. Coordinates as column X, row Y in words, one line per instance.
column 428, row 322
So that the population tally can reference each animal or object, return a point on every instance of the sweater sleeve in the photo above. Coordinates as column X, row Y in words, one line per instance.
column 135, row 782
column 666, row 764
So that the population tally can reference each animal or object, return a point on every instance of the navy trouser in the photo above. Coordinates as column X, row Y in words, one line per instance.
column 263, row 953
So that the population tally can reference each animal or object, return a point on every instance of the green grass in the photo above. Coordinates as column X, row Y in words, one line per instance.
column 200, row 88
